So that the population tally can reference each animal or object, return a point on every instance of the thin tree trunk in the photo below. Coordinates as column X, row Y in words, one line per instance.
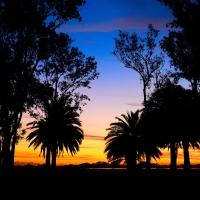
column 6, row 137
column 195, row 86
column 134, row 160
column 145, row 99
column 12, row 152
column 129, row 163
column 54, row 156
column 176, row 149
column 173, row 156
column 48, row 153
column 6, row 150
column 148, row 156
column 15, row 127
column 6, row 145
column 186, row 155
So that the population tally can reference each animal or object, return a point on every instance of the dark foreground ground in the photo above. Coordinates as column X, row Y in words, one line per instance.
column 22, row 183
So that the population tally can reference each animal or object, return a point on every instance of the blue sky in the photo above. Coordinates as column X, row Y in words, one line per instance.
column 118, row 89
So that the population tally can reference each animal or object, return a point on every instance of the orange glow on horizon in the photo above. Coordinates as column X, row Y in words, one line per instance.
column 92, row 147
column 91, row 151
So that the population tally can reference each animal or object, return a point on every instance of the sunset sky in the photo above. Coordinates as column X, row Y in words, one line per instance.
column 118, row 89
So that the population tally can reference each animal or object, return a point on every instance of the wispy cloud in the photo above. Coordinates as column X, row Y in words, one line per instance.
column 94, row 137
column 134, row 104
column 116, row 24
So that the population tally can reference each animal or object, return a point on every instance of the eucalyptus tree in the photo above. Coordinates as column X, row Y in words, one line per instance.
column 182, row 44
column 140, row 55
column 66, row 71
column 26, row 29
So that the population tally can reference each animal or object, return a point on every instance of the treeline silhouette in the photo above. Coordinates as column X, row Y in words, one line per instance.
column 172, row 121
column 40, row 75
column 41, row 72
column 171, row 114
column 103, row 165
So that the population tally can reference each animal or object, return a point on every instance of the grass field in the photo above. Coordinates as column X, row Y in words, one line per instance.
column 33, row 183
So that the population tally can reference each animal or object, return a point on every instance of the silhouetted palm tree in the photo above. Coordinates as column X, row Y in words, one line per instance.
column 40, row 137
column 122, row 140
column 66, row 131
column 126, row 140
column 149, row 138
column 58, row 130
column 175, row 123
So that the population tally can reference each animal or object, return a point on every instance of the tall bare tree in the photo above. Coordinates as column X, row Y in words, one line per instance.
column 140, row 55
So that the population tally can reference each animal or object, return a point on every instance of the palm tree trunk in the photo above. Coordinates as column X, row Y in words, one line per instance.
column 131, row 162
column 176, row 152
column 148, row 161
column 48, row 157
column 54, row 156
column 134, row 165
column 173, row 156
column 186, row 155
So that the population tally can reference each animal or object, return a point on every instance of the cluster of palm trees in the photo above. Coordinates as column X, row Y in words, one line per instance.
column 125, row 143
column 59, row 129
column 171, row 121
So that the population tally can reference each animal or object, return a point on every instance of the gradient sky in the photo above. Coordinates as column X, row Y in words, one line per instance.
column 118, row 89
